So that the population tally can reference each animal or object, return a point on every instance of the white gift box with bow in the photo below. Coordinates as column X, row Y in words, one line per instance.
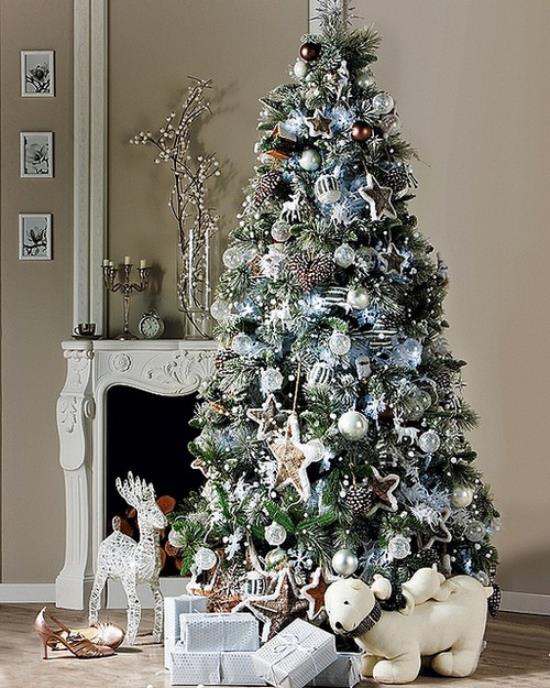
column 295, row 656
column 219, row 632
column 345, row 672
column 173, row 607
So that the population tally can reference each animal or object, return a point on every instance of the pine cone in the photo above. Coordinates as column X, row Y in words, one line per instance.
column 311, row 270
column 360, row 499
column 265, row 186
column 495, row 600
column 396, row 177
column 222, row 357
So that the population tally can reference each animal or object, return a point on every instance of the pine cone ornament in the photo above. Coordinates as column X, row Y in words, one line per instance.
column 311, row 270
column 495, row 600
column 396, row 176
column 265, row 187
column 360, row 499
column 222, row 357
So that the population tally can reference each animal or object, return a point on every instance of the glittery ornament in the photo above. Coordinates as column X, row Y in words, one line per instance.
column 382, row 103
column 276, row 559
column 275, row 534
column 358, row 298
column 220, row 310
column 310, row 160
column 205, row 558
column 344, row 256
column 280, row 231
column 339, row 343
column 474, row 531
column 360, row 499
column 311, row 269
column 242, row 344
column 429, row 441
column 399, row 547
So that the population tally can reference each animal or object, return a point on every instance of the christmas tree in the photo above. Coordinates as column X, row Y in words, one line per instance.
column 332, row 434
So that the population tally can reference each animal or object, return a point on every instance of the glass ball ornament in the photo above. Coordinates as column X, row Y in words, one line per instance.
column 429, row 441
column 364, row 78
column 483, row 578
column 327, row 189
column 339, row 343
column 399, row 547
column 353, row 425
column 344, row 256
column 276, row 558
column 176, row 539
column 280, row 231
column 391, row 124
column 474, row 531
column 408, row 353
column 220, row 310
column 272, row 379
column 345, row 562
column 300, row 69
column 319, row 374
column 232, row 257
column 383, row 103
column 242, row 344
column 205, row 559
column 358, row 298
column 310, row 160
column 254, row 584
column 275, row 534
column 462, row 496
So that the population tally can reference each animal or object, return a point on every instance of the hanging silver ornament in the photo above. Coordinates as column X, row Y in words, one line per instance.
column 220, row 310
column 280, row 231
column 364, row 78
column 254, row 584
column 344, row 256
column 176, row 539
column 205, row 559
column 327, row 189
column 363, row 367
column 483, row 578
column 310, row 160
column 319, row 374
column 271, row 380
column 399, row 547
column 429, row 441
column 345, row 562
column 300, row 69
column 232, row 258
column 358, row 298
column 474, row 531
column 339, row 343
column 275, row 534
column 353, row 425
column 391, row 124
column 383, row 103
column 276, row 559
column 242, row 344
column 462, row 496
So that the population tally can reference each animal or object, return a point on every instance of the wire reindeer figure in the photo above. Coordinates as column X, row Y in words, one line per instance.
column 122, row 558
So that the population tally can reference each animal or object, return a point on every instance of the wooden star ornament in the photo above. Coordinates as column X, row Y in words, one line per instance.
column 392, row 259
column 319, row 125
column 383, row 489
column 438, row 532
column 314, row 593
column 378, row 198
column 269, row 417
column 277, row 609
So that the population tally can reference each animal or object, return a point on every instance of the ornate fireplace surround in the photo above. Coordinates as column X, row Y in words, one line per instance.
column 166, row 367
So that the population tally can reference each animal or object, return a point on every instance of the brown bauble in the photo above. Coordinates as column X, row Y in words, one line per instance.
column 309, row 51
column 361, row 131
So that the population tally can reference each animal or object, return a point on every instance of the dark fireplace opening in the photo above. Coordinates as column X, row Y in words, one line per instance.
column 148, row 435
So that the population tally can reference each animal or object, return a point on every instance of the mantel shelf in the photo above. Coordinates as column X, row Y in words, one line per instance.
column 139, row 345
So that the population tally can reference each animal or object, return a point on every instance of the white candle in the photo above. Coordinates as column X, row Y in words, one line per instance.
column 126, row 260
column 105, row 262
column 111, row 264
column 143, row 263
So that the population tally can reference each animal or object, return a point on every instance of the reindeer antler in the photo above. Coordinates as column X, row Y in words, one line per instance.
column 135, row 490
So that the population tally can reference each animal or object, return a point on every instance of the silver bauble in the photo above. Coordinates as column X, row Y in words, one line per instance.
column 206, row 559
column 339, row 343
column 176, row 539
column 232, row 257
column 344, row 256
column 310, row 160
column 382, row 103
column 462, row 496
column 280, row 231
column 358, row 298
column 399, row 547
column 300, row 69
column 220, row 310
column 429, row 441
column 391, row 125
column 483, row 578
column 276, row 558
column 242, row 344
column 474, row 531
column 345, row 562
column 271, row 380
column 364, row 78
column 319, row 374
column 275, row 534
column 353, row 425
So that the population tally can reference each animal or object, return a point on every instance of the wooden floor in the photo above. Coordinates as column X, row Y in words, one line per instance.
column 517, row 655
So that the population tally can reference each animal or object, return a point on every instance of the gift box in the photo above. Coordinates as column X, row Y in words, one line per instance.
column 344, row 672
column 295, row 656
column 237, row 632
column 212, row 668
column 173, row 607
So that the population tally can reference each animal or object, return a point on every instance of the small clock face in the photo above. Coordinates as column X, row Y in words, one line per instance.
column 151, row 326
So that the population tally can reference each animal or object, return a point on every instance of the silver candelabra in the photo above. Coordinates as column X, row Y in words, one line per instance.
column 125, row 286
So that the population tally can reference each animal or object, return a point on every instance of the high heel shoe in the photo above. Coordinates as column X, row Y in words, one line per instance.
column 81, row 647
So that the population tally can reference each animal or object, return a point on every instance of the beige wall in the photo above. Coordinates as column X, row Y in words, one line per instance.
column 36, row 298
column 471, row 84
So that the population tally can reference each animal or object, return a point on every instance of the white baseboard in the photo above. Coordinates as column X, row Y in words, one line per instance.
column 15, row 593
column 27, row 592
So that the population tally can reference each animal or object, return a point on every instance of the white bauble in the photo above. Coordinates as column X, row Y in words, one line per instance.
column 220, row 310
column 327, row 189
column 383, row 103
column 344, row 256
column 358, row 298
column 345, row 562
column 353, row 425
column 232, row 257
column 474, row 531
column 483, row 578
column 176, row 539
column 242, row 344
column 429, row 441
column 339, row 343
column 364, row 78
column 462, row 496
column 206, row 559
column 300, row 69
column 399, row 547
column 271, row 380
column 391, row 125
column 275, row 534
column 310, row 160
column 280, row 231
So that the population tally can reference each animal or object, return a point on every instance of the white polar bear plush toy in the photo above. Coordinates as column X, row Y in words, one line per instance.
column 443, row 619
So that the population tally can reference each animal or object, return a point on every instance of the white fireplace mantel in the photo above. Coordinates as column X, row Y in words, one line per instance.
column 166, row 367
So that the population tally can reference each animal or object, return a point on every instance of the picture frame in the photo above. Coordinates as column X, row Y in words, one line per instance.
column 37, row 154
column 37, row 73
column 35, row 236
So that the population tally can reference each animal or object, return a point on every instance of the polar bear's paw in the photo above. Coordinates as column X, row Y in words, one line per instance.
column 368, row 662
column 402, row 670
column 459, row 663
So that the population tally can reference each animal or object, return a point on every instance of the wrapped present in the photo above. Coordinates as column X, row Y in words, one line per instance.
column 237, row 632
column 344, row 672
column 295, row 656
column 212, row 668
column 173, row 607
